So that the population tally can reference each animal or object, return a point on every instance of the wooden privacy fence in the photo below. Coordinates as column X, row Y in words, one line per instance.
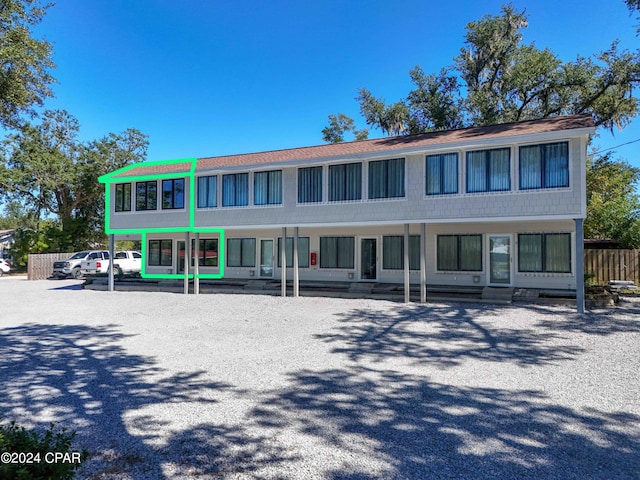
column 612, row 264
column 40, row 266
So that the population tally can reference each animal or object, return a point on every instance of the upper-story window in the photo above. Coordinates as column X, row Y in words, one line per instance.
column 386, row 178
column 208, row 191
column 544, row 166
column 123, row 197
column 267, row 188
column 442, row 174
column 489, row 170
column 147, row 195
column 345, row 182
column 310, row 185
column 235, row 190
column 173, row 193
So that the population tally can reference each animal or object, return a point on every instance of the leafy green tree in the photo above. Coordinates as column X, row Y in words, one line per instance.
column 498, row 79
column 613, row 206
column 25, row 62
column 48, row 170
column 338, row 126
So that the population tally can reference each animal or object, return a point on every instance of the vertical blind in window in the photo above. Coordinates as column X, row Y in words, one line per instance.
column 393, row 252
column 208, row 191
column 345, row 182
column 310, row 185
column 303, row 252
column 442, row 174
column 386, row 178
column 337, row 252
column 488, row 170
column 267, row 188
column 235, row 190
column 459, row 253
column 544, row 252
column 241, row 252
column 544, row 166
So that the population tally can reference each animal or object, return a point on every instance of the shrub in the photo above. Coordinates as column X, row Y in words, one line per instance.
column 39, row 450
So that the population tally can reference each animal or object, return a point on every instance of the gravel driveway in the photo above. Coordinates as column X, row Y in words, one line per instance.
column 167, row 386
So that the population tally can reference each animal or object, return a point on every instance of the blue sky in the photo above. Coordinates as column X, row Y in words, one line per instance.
column 206, row 78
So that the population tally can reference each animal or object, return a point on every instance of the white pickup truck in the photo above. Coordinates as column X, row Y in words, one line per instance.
column 124, row 261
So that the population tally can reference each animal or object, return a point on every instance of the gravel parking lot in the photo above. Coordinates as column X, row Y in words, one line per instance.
column 167, row 386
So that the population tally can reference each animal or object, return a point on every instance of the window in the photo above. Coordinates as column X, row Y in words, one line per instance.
column 544, row 252
column 303, row 252
column 488, row 170
column 123, row 197
column 146, row 195
column 235, row 190
column 442, row 174
column 345, row 182
column 544, row 166
column 173, row 194
column 337, row 252
column 267, row 188
column 160, row 252
column 241, row 252
column 393, row 252
column 207, row 252
column 208, row 191
column 459, row 253
column 310, row 185
column 386, row 178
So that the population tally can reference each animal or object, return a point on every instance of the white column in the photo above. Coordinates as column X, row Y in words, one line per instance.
column 196, row 265
column 407, row 292
column 187, row 261
column 296, row 277
column 283, row 262
column 423, row 263
column 579, row 270
column 112, row 248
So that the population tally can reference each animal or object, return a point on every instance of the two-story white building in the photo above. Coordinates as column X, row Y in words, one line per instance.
column 495, row 206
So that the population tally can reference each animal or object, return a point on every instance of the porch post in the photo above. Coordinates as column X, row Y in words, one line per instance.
column 112, row 248
column 423, row 263
column 407, row 292
column 296, row 278
column 187, row 261
column 283, row 262
column 579, row 264
column 196, row 265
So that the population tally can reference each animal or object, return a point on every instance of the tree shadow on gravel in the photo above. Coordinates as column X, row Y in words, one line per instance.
column 426, row 430
column 444, row 336
column 83, row 379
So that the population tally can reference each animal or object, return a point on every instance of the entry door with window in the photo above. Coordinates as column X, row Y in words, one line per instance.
column 181, row 255
column 368, row 259
column 500, row 260
column 266, row 258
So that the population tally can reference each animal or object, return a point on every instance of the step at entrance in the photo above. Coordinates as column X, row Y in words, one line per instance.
column 497, row 293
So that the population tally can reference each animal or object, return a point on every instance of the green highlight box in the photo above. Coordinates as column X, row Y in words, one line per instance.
column 189, row 172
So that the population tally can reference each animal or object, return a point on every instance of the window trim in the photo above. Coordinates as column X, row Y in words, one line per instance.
column 268, row 201
column 543, row 253
column 343, row 164
column 417, row 269
column 236, row 176
column 404, row 179
column 197, row 183
column 353, row 252
column 120, row 206
column 279, row 252
column 241, row 239
column 441, row 179
column 146, row 184
column 487, row 168
column 322, row 185
column 160, row 242
column 543, row 166
column 458, row 251
column 173, row 205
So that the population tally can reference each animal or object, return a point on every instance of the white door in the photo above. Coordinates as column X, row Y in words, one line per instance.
column 500, row 260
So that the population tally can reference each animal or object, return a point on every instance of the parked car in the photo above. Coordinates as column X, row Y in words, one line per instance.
column 124, row 261
column 4, row 267
column 71, row 266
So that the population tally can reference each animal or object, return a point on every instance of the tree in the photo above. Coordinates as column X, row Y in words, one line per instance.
column 498, row 79
column 613, row 206
column 25, row 62
column 338, row 126
column 50, row 171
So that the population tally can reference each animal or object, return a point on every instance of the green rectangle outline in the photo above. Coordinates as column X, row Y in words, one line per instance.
column 108, row 179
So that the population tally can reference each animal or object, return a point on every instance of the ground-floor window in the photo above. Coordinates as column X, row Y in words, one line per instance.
column 241, row 252
column 303, row 252
column 337, row 252
column 544, row 252
column 459, row 253
column 393, row 252
column 207, row 253
column 160, row 253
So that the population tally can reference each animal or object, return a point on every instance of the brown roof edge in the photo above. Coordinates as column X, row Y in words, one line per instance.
column 567, row 122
